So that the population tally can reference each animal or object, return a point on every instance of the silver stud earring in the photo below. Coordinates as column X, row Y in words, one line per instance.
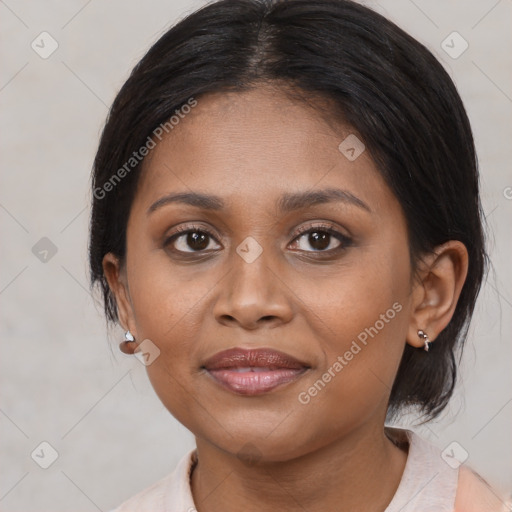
column 128, row 337
column 423, row 335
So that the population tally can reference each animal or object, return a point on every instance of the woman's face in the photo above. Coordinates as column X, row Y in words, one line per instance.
column 326, row 282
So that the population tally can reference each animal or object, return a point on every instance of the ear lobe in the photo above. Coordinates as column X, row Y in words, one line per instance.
column 437, row 290
column 118, row 285
column 127, row 348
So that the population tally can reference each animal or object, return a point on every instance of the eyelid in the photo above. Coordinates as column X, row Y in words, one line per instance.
column 333, row 229
column 190, row 228
column 345, row 240
column 322, row 226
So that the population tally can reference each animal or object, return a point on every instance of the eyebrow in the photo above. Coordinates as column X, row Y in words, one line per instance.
column 286, row 203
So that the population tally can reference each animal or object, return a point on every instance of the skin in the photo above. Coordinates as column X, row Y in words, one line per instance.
column 250, row 148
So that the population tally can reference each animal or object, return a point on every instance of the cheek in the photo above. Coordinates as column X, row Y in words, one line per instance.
column 361, row 318
column 168, row 304
column 165, row 297
column 359, row 366
column 367, row 294
column 168, row 311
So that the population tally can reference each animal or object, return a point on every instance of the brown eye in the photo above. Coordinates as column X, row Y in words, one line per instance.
column 197, row 241
column 317, row 240
column 190, row 241
column 320, row 239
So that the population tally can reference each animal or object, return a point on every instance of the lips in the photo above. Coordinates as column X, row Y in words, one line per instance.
column 253, row 372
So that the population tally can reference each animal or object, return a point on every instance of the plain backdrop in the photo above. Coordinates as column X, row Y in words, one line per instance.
column 63, row 381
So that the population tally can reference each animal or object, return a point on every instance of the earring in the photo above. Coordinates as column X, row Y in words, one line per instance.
column 423, row 335
column 123, row 346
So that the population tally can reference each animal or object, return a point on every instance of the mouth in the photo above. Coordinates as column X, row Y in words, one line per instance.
column 254, row 372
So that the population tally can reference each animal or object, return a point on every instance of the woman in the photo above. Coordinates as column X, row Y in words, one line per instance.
column 286, row 222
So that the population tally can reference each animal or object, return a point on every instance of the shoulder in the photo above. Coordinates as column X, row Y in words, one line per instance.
column 151, row 497
column 168, row 494
column 474, row 494
column 430, row 483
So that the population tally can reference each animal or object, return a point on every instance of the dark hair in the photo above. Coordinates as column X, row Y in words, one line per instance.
column 384, row 83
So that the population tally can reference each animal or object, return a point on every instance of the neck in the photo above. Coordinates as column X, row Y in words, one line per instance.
column 361, row 471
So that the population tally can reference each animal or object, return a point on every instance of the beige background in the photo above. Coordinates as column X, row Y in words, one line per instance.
column 61, row 382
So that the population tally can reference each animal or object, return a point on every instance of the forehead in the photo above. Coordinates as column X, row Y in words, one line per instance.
column 253, row 146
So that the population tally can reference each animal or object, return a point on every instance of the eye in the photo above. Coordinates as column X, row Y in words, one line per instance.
column 321, row 238
column 191, row 239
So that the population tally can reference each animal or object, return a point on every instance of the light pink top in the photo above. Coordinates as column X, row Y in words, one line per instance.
column 429, row 484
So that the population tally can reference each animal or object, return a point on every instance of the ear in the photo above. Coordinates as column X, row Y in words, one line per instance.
column 436, row 291
column 117, row 282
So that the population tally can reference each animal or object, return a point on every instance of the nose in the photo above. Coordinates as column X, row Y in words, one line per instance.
column 253, row 295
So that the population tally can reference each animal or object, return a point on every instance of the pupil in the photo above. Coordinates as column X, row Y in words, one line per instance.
column 197, row 241
column 318, row 240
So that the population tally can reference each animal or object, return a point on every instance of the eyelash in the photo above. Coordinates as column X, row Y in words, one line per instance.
column 344, row 240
